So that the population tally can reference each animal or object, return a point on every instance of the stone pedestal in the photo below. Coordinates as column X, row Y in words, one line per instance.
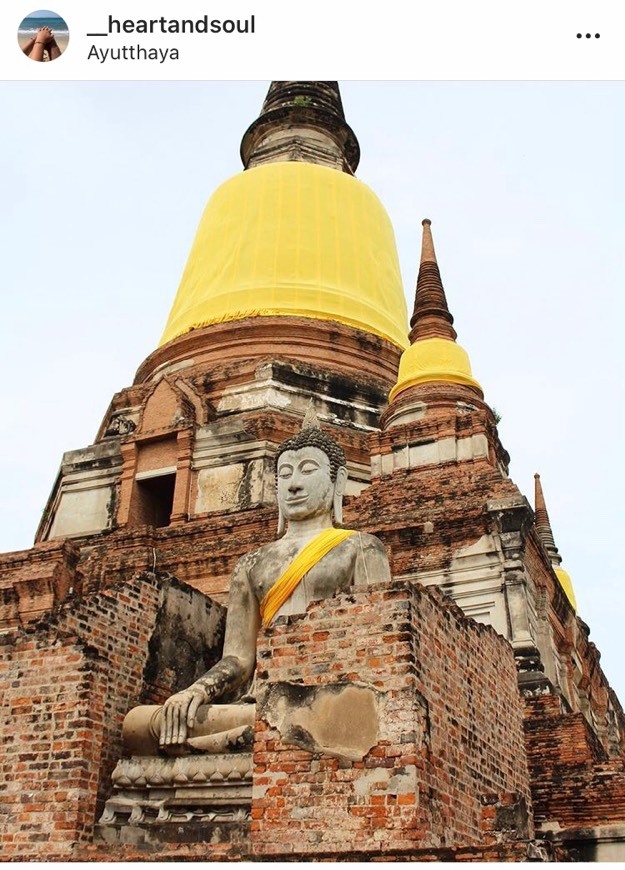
column 201, row 798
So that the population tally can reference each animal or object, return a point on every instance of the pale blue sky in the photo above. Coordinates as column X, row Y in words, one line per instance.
column 102, row 188
column 43, row 13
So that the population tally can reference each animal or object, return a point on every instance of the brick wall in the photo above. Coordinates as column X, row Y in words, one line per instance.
column 450, row 742
column 33, row 582
column 451, row 497
column 574, row 784
column 53, row 690
column 67, row 683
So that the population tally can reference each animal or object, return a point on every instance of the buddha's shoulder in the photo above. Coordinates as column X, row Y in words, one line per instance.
column 359, row 542
column 274, row 549
column 366, row 541
column 371, row 558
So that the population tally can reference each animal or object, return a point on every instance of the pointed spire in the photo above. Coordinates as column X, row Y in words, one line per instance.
column 433, row 355
column 543, row 527
column 541, row 521
column 302, row 121
column 428, row 254
column 431, row 317
column 318, row 95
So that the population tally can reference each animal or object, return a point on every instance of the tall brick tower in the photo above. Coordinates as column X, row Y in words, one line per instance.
column 291, row 295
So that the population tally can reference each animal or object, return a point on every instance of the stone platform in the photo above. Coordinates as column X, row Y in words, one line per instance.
column 187, row 799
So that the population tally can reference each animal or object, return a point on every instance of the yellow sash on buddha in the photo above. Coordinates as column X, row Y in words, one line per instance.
column 312, row 553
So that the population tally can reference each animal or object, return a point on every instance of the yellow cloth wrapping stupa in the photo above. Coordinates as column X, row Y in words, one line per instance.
column 434, row 360
column 293, row 238
column 567, row 585
column 433, row 355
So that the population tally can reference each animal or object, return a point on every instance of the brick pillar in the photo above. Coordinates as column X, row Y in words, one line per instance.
column 129, row 453
column 180, row 509
column 384, row 717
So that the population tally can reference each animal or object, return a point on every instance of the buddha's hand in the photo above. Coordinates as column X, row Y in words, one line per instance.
column 178, row 714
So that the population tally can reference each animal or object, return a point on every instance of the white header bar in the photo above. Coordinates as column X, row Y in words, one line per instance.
column 348, row 39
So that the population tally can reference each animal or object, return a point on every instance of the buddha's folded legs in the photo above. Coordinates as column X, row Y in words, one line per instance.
column 218, row 728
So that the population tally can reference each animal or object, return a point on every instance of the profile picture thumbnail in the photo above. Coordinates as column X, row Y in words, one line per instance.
column 43, row 35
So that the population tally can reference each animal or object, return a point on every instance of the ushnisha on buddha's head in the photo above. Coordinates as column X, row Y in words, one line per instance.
column 311, row 475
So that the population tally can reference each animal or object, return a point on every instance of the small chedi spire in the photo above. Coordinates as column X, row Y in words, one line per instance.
column 541, row 521
column 302, row 122
column 433, row 355
column 545, row 533
column 431, row 317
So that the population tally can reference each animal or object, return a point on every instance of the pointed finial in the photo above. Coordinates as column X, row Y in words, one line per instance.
column 431, row 317
column 433, row 355
column 302, row 121
column 542, row 523
column 428, row 254
column 311, row 421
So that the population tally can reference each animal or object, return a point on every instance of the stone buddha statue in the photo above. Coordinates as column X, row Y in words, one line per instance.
column 311, row 560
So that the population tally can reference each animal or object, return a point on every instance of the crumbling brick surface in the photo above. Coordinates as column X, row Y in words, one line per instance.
column 574, row 783
column 66, row 684
column 227, row 348
column 53, row 688
column 508, row 852
column 33, row 582
column 451, row 497
column 202, row 553
column 452, row 732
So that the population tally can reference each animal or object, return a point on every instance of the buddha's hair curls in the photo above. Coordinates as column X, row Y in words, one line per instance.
column 314, row 437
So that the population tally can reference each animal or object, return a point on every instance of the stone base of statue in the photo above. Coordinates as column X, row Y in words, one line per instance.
column 191, row 798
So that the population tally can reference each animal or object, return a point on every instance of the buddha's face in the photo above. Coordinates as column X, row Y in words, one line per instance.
column 305, row 485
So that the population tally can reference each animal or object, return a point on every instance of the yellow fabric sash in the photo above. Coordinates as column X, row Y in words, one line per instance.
column 285, row 585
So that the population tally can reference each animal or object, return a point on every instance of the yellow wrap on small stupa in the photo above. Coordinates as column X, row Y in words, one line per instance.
column 432, row 360
column 285, row 585
column 567, row 585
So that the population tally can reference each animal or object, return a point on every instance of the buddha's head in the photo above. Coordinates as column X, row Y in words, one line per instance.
column 311, row 475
